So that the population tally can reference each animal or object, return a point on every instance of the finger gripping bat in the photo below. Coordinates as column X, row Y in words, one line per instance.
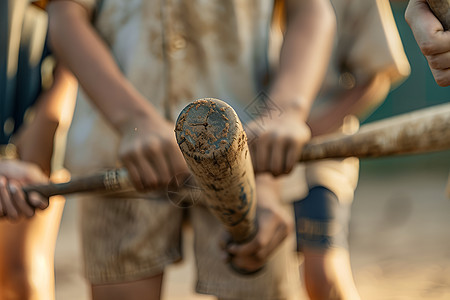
column 441, row 9
column 214, row 145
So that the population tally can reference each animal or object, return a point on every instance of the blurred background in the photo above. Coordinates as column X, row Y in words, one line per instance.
column 400, row 227
column 400, row 239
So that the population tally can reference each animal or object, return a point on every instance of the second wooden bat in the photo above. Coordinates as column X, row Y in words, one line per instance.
column 421, row 131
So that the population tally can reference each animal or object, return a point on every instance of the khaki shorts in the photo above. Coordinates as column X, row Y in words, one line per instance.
column 132, row 239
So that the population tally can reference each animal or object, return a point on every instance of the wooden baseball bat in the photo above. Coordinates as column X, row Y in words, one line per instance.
column 107, row 181
column 214, row 145
column 420, row 131
column 441, row 9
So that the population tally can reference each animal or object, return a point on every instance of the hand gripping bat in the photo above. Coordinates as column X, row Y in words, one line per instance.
column 441, row 9
column 421, row 131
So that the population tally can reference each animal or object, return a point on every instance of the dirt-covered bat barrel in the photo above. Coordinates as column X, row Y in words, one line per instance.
column 214, row 144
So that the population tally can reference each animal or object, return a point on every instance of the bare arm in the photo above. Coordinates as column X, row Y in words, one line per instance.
column 277, row 141
column 305, row 54
column 35, row 140
column 78, row 45
column 148, row 148
column 356, row 101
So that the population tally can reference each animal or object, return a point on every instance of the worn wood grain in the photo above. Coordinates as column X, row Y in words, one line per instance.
column 421, row 131
column 214, row 144
column 107, row 181
column 417, row 132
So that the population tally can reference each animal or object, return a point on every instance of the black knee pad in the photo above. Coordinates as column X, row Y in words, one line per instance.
column 321, row 220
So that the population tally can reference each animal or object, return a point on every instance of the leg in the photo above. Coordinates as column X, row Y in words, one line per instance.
column 148, row 289
column 322, row 226
column 328, row 275
column 322, row 220
column 26, row 255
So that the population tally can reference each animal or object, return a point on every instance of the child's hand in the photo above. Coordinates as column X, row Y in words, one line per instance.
column 276, row 143
column 14, row 174
column 274, row 226
column 433, row 41
column 151, row 154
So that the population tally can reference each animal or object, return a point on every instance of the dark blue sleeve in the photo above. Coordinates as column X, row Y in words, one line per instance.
column 28, row 84
column 18, row 90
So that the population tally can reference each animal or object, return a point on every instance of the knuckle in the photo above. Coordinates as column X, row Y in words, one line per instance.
column 137, row 184
column 427, row 47
column 149, row 182
column 285, row 224
column 276, row 173
column 407, row 16
column 289, row 226
column 153, row 184
column 126, row 155
column 441, row 79
column 292, row 141
column 259, row 257
column 259, row 243
column 288, row 169
column 442, row 83
column 13, row 216
column 434, row 62
column 45, row 204
column 153, row 148
column 148, row 186
column 30, row 213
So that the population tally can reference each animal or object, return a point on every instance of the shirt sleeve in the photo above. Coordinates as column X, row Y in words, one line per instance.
column 370, row 42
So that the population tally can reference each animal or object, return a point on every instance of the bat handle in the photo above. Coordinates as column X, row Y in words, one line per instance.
column 111, row 180
column 441, row 9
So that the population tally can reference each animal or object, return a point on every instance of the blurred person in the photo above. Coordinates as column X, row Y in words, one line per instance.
column 367, row 61
column 433, row 40
column 33, row 99
column 139, row 63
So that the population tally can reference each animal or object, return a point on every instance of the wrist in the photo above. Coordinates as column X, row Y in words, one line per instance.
column 267, row 185
column 134, row 119
column 294, row 105
column 291, row 102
